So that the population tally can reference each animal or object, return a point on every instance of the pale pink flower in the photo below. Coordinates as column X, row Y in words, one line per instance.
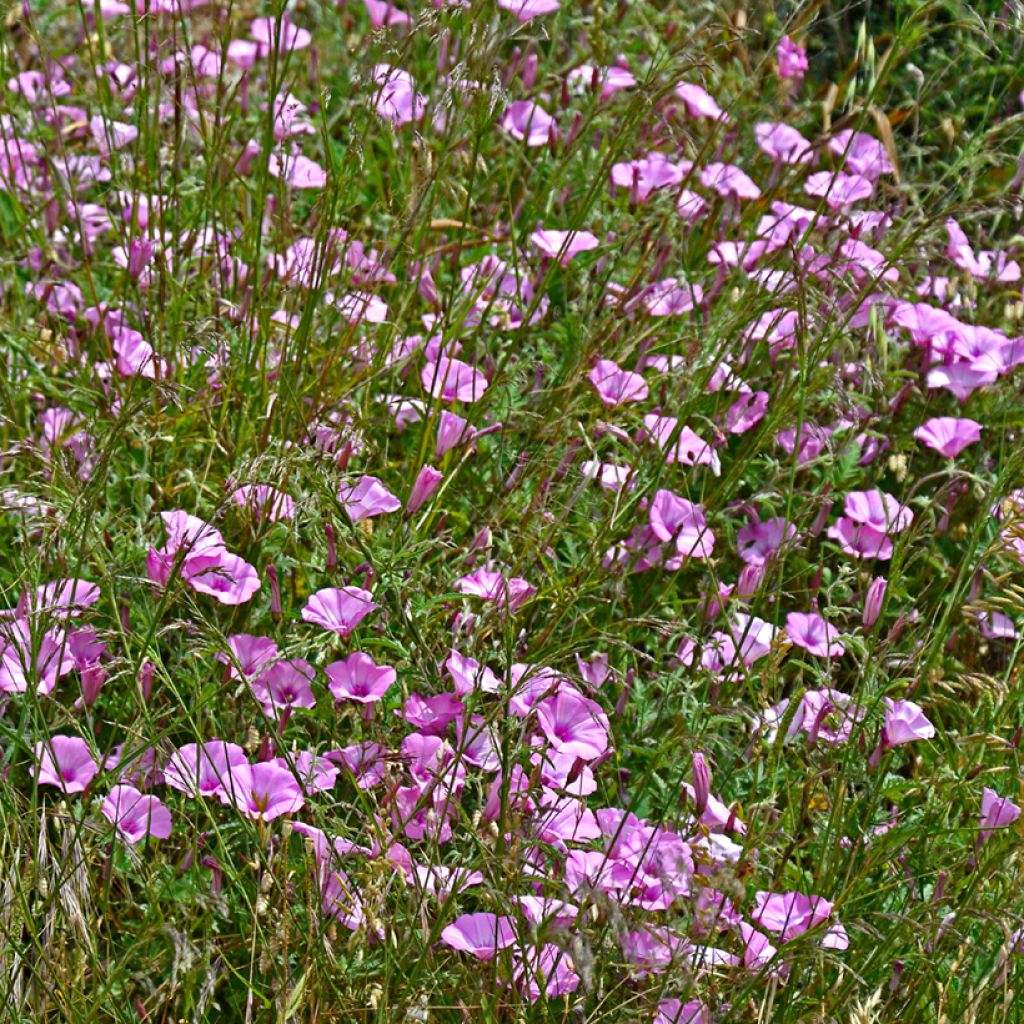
column 65, row 762
column 573, row 724
column 863, row 154
column 947, row 435
column 359, row 678
column 493, row 586
column 339, row 609
column 757, row 542
column 481, row 934
column 877, row 509
column 264, row 502
column 250, row 655
column 814, row 635
column 136, row 816
column 452, row 380
column 839, row 189
column 423, row 489
column 396, row 99
column 385, row 14
column 545, row 971
column 563, row 245
column 366, row 498
column 265, row 791
column 790, row 914
column 452, row 430
column 860, row 540
column 528, row 122
column 204, row 769
column 525, row 10
column 616, row 386
column 699, row 103
column 286, row 684
column 728, row 180
column 783, row 143
column 996, row 812
column 905, row 722
column 31, row 659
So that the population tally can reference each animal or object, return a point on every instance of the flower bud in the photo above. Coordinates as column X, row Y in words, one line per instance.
column 424, row 488
column 701, row 783
column 873, row 601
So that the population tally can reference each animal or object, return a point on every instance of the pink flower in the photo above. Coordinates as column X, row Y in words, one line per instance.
column 672, row 297
column 961, row 379
column 877, row 509
column 547, row 971
column 699, row 103
column 615, row 385
column 783, row 143
column 525, row 10
column 573, row 724
column 423, row 489
column 528, row 122
column 757, row 542
column 792, row 61
column 264, row 502
column 366, row 498
column 359, row 678
column 452, row 430
column 563, row 245
column 204, row 769
column 452, row 380
column 384, row 14
column 481, row 934
column 864, row 155
column 652, row 172
column 278, row 34
column 873, row 600
column 947, row 435
column 339, row 609
column 839, row 189
column 65, row 762
column 789, row 914
column 250, row 655
column 231, row 581
column 675, row 518
column 297, row 170
column 728, row 180
column 136, row 816
column 265, row 791
column 672, row 1011
column 396, row 99
column 904, row 722
column 31, row 659
column 860, row 540
column 814, row 635
column 493, row 586
column 996, row 812
column 469, row 675
column 996, row 626
column 680, row 444
column 286, row 684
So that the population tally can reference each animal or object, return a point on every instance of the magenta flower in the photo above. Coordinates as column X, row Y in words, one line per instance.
column 615, row 385
column 481, row 934
column 279, row 35
column 468, row 675
column 339, row 609
column 317, row 774
column 873, row 601
column 757, row 542
column 789, row 914
column 675, row 518
column 529, row 122
column 136, row 816
column 699, row 103
column 548, row 971
column 423, row 488
column 366, row 498
column 652, row 172
column 250, row 655
column 396, row 99
column 31, row 663
column 452, row 430
column 70, row 596
column 383, row 14
column 839, row 189
column 264, row 502
column 65, row 762
column 265, row 791
column 573, row 724
column 672, row 1011
column 947, row 435
column 859, row 540
column 563, row 245
column 231, row 581
column 791, row 59
column 905, row 722
column 493, row 586
column 286, row 684
column 784, row 144
column 296, row 170
column 877, row 509
column 814, row 635
column 728, row 180
column 452, row 380
column 359, row 678
column 996, row 812
column 864, row 155
column 525, row 10
column 204, row 769
column 680, row 444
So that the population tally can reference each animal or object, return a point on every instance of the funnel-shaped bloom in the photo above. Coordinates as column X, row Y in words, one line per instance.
column 65, row 762
column 366, row 498
column 358, row 677
column 136, row 815
column 481, row 934
column 339, row 609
